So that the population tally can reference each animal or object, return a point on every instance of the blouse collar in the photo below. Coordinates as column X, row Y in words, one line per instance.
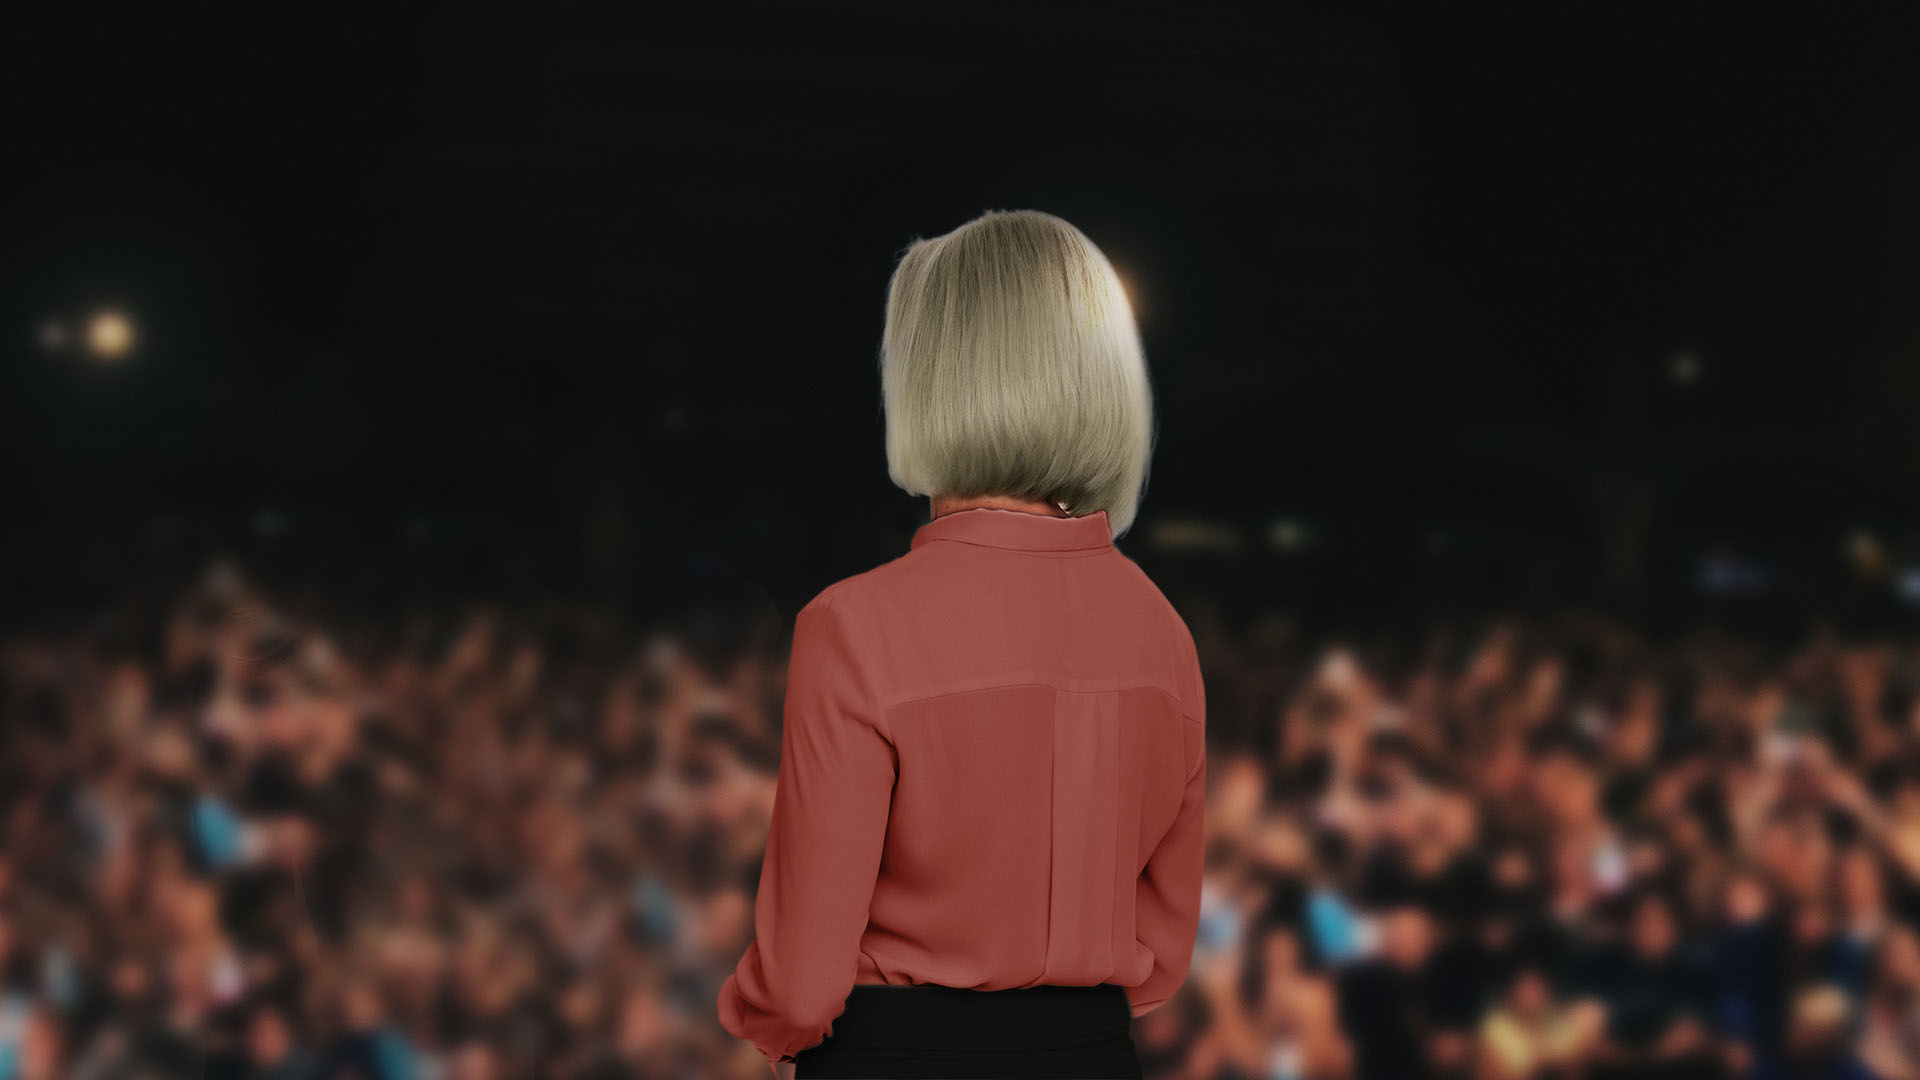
column 1020, row 530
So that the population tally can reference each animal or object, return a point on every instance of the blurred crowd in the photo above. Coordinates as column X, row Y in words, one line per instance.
column 1548, row 849
column 243, row 837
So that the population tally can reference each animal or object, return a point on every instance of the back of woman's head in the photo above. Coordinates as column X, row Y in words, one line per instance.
column 1011, row 365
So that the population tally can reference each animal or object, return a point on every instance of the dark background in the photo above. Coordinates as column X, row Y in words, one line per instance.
column 588, row 298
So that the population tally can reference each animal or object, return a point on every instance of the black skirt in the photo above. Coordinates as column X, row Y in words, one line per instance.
column 900, row 1032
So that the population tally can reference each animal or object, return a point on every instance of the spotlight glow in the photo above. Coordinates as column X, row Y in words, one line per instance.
column 1685, row 366
column 109, row 335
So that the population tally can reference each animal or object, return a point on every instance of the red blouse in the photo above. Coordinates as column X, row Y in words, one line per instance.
column 992, row 775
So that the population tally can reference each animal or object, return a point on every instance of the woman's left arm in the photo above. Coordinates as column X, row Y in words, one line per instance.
column 830, row 810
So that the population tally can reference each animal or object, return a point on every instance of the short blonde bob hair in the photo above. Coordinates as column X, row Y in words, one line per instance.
column 1011, row 365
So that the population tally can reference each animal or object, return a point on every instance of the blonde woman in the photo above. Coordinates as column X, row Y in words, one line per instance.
column 986, row 845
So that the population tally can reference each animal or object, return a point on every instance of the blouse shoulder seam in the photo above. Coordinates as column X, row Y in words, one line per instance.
column 824, row 604
column 915, row 699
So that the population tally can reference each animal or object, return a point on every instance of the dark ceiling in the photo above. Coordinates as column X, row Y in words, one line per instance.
column 529, row 270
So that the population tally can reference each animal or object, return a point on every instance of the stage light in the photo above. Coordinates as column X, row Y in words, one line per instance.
column 54, row 336
column 1869, row 556
column 1289, row 534
column 1721, row 572
column 1686, row 366
column 109, row 335
column 1194, row 534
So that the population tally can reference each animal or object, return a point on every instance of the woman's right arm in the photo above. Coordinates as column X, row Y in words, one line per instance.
column 830, row 809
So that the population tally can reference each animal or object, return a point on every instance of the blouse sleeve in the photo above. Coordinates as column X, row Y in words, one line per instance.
column 1167, row 897
column 830, row 809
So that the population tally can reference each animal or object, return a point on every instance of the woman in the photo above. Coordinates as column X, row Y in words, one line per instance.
column 986, row 845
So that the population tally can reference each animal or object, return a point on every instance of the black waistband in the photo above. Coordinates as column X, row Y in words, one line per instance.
column 932, row 1017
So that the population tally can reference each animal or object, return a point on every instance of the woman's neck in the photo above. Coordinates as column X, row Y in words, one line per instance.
column 948, row 504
